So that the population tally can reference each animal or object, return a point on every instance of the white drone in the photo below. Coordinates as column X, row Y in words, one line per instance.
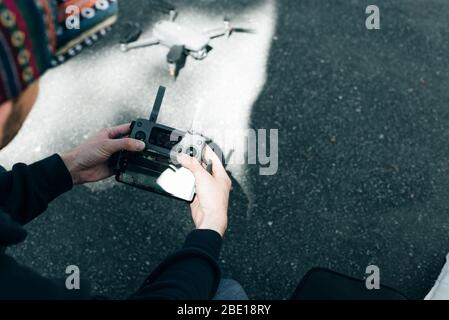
column 181, row 40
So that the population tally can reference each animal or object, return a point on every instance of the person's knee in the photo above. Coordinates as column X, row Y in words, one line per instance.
column 230, row 283
column 230, row 289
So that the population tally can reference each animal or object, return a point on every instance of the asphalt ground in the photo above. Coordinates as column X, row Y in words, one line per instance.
column 363, row 128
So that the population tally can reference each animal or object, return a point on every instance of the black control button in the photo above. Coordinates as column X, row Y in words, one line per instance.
column 192, row 152
column 140, row 135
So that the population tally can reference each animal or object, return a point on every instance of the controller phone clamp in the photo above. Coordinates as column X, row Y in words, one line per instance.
column 193, row 145
column 156, row 169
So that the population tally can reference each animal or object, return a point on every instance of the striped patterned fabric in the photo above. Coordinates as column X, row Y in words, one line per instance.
column 25, row 50
column 34, row 37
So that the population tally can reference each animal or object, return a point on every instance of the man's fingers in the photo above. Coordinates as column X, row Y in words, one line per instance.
column 118, row 131
column 191, row 164
column 128, row 144
column 218, row 171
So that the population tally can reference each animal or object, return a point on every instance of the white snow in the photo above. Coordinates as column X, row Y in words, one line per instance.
column 109, row 87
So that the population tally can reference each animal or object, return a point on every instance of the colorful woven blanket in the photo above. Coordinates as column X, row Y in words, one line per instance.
column 36, row 35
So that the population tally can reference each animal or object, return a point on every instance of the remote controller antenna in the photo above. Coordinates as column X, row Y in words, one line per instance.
column 157, row 104
column 196, row 123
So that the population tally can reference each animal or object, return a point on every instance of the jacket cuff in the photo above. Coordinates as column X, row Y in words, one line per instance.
column 55, row 178
column 208, row 241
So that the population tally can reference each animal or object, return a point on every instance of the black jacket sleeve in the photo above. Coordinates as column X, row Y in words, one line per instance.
column 192, row 273
column 26, row 191
column 18, row 282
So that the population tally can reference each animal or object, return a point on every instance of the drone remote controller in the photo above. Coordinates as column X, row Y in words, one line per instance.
column 156, row 168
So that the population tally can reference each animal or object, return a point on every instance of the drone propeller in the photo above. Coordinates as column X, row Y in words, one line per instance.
column 244, row 30
column 131, row 33
column 165, row 7
column 230, row 29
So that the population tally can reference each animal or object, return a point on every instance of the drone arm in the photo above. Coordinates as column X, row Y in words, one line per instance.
column 217, row 32
column 140, row 44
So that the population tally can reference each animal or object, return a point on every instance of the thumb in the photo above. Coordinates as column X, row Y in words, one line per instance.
column 128, row 144
column 191, row 164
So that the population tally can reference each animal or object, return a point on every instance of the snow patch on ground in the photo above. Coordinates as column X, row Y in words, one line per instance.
column 105, row 87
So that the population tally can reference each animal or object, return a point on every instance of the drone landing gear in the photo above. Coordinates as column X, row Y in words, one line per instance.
column 172, row 14
column 176, row 59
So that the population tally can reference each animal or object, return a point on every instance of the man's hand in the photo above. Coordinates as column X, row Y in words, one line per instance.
column 210, row 207
column 89, row 161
